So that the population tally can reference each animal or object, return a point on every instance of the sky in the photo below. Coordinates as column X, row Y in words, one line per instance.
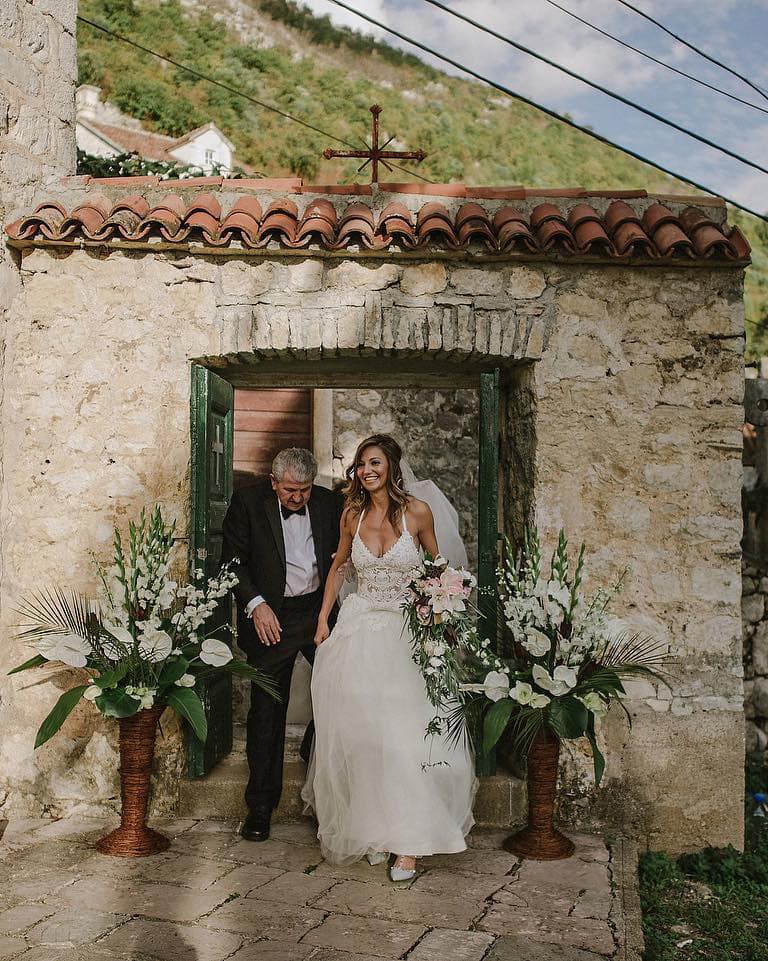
column 733, row 31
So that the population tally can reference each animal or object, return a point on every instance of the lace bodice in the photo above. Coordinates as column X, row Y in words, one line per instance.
column 383, row 579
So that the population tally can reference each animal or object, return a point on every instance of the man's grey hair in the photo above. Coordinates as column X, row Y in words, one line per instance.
column 299, row 462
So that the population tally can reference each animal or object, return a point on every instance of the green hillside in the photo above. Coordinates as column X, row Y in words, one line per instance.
column 286, row 57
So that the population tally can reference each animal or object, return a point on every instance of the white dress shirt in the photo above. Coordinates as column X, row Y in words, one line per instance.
column 301, row 574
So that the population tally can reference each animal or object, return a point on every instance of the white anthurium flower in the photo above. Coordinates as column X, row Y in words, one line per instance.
column 70, row 649
column 536, row 642
column 121, row 634
column 155, row 645
column 92, row 692
column 522, row 693
column 496, row 685
column 559, row 683
column 439, row 561
column 216, row 653
column 186, row 680
column 540, row 700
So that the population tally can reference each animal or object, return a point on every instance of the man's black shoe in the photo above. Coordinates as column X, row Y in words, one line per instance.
column 256, row 826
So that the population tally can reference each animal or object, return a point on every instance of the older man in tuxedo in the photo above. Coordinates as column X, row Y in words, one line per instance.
column 283, row 534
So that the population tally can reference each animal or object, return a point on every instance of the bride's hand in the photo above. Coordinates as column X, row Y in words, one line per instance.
column 321, row 633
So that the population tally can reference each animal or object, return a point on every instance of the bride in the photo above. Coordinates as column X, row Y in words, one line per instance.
column 368, row 782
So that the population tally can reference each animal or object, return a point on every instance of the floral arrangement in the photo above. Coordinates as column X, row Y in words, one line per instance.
column 568, row 654
column 142, row 641
column 439, row 616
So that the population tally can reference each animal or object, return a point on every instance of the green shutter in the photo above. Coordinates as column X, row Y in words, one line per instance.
column 488, row 523
column 212, row 405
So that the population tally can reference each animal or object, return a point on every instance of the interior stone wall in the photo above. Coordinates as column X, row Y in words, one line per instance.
column 623, row 414
column 438, row 431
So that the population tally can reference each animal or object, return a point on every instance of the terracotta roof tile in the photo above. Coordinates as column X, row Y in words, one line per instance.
column 564, row 229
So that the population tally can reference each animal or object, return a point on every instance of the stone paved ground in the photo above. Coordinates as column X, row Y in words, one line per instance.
column 213, row 896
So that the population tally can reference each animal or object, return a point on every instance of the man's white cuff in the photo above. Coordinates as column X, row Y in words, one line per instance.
column 254, row 602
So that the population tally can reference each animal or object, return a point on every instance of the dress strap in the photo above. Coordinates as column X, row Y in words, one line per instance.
column 405, row 522
column 359, row 522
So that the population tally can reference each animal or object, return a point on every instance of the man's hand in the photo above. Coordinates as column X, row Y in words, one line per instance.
column 321, row 633
column 266, row 624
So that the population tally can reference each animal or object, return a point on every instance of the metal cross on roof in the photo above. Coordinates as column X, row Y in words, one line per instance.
column 376, row 154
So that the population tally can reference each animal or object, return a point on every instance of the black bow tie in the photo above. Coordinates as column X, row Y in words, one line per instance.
column 287, row 512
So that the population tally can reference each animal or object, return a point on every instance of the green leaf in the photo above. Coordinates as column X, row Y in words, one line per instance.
column 173, row 669
column 495, row 722
column 61, row 711
column 597, row 757
column 114, row 702
column 187, row 703
column 567, row 717
column 264, row 680
column 110, row 678
column 35, row 661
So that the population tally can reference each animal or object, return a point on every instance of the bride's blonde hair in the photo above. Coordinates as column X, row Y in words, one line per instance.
column 357, row 497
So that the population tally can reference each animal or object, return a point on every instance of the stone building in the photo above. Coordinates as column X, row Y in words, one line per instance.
column 614, row 320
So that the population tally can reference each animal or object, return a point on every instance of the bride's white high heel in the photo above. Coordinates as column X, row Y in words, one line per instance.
column 399, row 873
column 378, row 857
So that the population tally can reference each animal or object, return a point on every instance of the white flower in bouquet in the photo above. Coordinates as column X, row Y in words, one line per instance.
column 496, row 685
column 144, row 695
column 155, row 645
column 522, row 693
column 167, row 594
column 536, row 642
column 562, row 680
column 540, row 700
column 186, row 680
column 91, row 692
column 215, row 653
column 71, row 649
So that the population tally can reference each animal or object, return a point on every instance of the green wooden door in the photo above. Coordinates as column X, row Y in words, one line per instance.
column 488, row 522
column 212, row 407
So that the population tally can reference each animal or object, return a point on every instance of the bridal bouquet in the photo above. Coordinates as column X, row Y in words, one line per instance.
column 569, row 656
column 439, row 616
column 142, row 641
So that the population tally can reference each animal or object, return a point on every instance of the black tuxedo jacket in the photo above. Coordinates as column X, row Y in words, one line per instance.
column 253, row 533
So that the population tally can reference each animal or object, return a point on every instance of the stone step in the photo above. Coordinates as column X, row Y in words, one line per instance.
column 500, row 801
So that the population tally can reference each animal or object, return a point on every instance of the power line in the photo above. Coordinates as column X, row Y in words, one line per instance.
column 661, row 63
column 596, row 86
column 551, row 113
column 690, row 46
column 239, row 93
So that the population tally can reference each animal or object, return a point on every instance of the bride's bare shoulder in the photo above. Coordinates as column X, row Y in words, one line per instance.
column 420, row 510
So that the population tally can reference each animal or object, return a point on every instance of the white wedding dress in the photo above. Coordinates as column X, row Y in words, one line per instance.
column 367, row 781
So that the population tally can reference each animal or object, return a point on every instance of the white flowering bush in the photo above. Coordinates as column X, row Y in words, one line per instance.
column 568, row 654
column 142, row 641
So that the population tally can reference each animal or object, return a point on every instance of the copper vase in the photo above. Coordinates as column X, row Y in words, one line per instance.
column 133, row 839
column 540, row 840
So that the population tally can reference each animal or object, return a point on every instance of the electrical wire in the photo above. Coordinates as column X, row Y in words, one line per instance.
column 686, row 43
column 239, row 93
column 551, row 113
column 656, row 60
column 597, row 86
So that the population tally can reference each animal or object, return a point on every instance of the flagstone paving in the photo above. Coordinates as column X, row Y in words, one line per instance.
column 214, row 897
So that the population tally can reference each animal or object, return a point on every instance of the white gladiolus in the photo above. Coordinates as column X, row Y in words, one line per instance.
column 559, row 593
column 536, row 642
column 186, row 680
column 540, row 700
column 215, row 653
column 496, row 685
column 559, row 683
column 522, row 693
column 155, row 645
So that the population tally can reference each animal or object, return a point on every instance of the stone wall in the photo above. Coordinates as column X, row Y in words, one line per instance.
column 438, row 431
column 96, row 425
column 754, row 610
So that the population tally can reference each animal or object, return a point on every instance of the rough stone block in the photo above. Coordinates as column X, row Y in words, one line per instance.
column 445, row 945
column 526, row 283
column 374, row 901
column 166, row 902
column 19, row 72
column 471, row 280
column 583, row 934
column 382, row 939
column 293, row 887
column 74, row 926
column 753, row 608
column 171, row 942
column 265, row 919
column 423, row 279
column 515, row 947
column 277, row 951
column 355, row 273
